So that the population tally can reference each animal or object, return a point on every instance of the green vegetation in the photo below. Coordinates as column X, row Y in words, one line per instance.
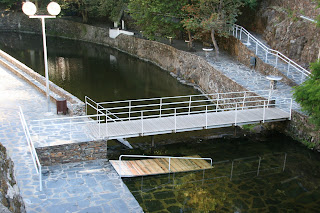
column 157, row 18
column 308, row 94
column 213, row 16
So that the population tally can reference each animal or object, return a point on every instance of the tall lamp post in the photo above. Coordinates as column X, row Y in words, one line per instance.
column 53, row 9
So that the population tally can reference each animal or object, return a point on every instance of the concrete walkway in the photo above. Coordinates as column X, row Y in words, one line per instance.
column 79, row 187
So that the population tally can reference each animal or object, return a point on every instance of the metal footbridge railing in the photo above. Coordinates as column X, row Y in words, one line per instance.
column 273, row 57
column 132, row 118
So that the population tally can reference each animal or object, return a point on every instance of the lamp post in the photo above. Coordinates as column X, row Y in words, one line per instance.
column 53, row 9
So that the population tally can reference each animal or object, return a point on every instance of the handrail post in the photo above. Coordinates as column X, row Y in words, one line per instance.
column 236, row 31
column 142, row 123
column 206, row 116
column 264, row 111
column 189, row 105
column 160, row 106
column 266, row 56
column 175, row 119
column 85, row 99
column 217, row 103
column 240, row 33
column 244, row 99
column 290, row 112
column 288, row 68
column 235, row 120
column 277, row 60
column 120, row 165
column 129, row 110
column 106, row 123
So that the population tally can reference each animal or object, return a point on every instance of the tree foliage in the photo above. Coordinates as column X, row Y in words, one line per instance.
column 9, row 3
column 157, row 17
column 308, row 94
column 94, row 8
column 214, row 16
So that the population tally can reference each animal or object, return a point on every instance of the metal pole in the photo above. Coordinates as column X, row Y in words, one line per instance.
column 264, row 111
column 160, row 106
column 266, row 56
column 259, row 166
column 277, row 59
column 206, row 116
column 129, row 110
column 235, row 120
column 175, row 120
column 290, row 109
column 190, row 105
column 240, row 33
column 45, row 56
column 141, row 122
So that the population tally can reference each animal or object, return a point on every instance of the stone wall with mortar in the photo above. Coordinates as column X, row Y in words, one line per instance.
column 300, row 126
column 75, row 152
column 281, row 26
column 9, row 191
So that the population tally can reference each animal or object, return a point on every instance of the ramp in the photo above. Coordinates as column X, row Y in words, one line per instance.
column 159, row 165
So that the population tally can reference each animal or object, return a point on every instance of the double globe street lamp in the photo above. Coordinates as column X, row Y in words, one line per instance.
column 53, row 9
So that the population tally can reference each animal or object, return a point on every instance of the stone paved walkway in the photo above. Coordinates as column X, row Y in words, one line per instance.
column 80, row 187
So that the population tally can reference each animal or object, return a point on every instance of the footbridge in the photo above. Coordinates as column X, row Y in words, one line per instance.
column 154, row 116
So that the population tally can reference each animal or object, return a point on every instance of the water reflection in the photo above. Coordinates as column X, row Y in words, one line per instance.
column 101, row 73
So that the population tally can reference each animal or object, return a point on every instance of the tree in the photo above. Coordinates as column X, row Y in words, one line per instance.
column 308, row 94
column 157, row 18
column 214, row 16
column 9, row 3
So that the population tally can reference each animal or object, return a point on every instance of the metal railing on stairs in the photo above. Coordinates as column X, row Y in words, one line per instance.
column 290, row 67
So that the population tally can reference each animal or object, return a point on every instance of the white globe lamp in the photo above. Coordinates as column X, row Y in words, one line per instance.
column 53, row 8
column 29, row 8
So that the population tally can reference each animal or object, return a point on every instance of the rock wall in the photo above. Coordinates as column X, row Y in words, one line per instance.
column 71, row 153
column 281, row 26
column 9, row 192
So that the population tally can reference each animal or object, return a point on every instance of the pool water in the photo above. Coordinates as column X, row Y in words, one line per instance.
column 272, row 173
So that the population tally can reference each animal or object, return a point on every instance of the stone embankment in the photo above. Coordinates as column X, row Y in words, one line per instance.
column 9, row 192
column 279, row 22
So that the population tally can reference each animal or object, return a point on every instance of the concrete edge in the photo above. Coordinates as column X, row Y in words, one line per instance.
column 74, row 104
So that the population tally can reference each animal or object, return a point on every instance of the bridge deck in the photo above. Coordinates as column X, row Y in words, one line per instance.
column 133, row 168
column 163, row 125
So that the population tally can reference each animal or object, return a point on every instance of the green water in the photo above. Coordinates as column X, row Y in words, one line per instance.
column 86, row 69
column 287, row 179
column 271, row 173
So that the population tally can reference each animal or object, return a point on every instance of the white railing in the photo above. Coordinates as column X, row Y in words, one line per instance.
column 31, row 147
column 238, row 31
column 166, row 157
column 46, row 131
column 186, row 105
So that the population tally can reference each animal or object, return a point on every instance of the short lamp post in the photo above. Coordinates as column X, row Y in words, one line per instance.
column 53, row 9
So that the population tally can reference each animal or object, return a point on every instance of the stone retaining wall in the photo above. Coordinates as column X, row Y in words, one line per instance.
column 300, row 127
column 9, row 191
column 70, row 153
column 243, row 54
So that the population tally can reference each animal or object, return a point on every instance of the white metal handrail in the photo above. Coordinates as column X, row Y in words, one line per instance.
column 167, row 157
column 33, row 151
column 290, row 63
